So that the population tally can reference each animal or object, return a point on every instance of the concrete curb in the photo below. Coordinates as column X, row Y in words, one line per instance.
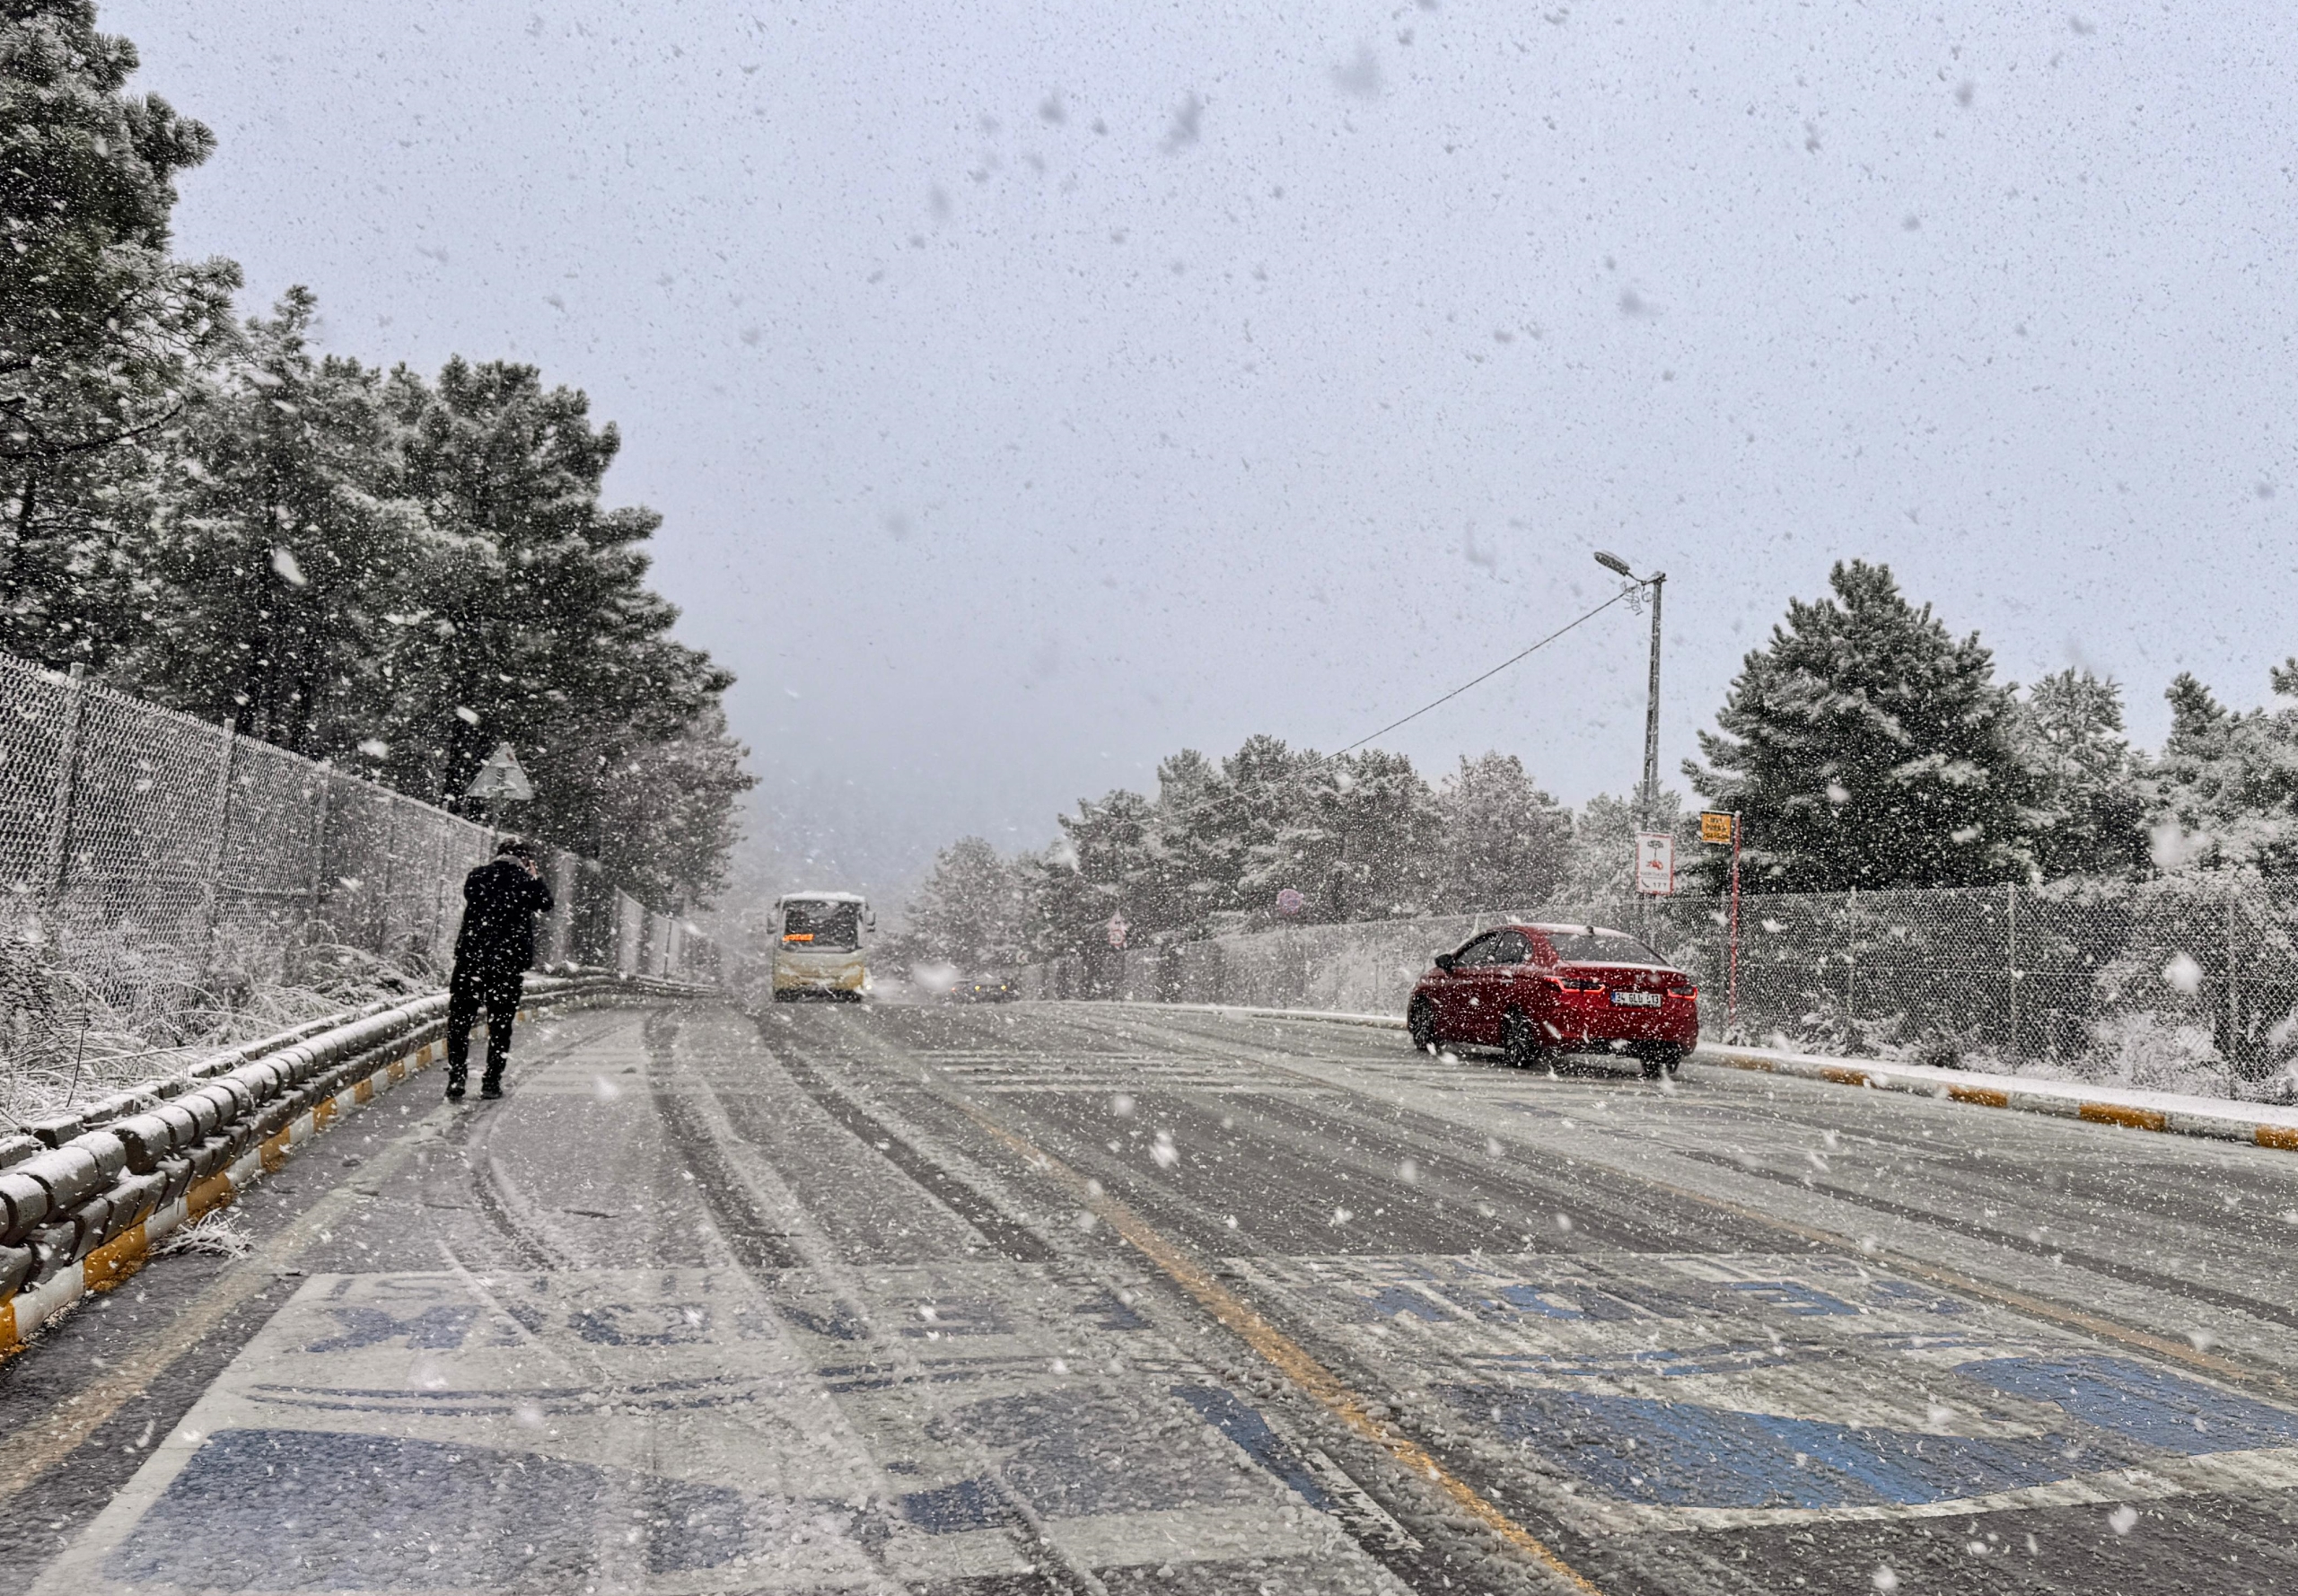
column 2262, row 1125
column 96, row 1217
column 2259, row 1125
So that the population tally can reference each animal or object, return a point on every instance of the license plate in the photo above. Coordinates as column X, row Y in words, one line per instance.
column 1635, row 1000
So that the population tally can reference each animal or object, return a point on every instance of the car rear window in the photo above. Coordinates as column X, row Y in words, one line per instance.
column 1601, row 947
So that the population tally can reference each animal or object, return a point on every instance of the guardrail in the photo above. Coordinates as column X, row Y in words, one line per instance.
column 85, row 1194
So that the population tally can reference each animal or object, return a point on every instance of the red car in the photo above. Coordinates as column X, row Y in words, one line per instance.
column 1536, row 990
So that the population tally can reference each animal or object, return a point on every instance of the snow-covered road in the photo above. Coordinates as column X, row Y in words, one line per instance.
column 1067, row 1298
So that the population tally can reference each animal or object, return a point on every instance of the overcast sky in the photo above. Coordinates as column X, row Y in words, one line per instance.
column 1031, row 390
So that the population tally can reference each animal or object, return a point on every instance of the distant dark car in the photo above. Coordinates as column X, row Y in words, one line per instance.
column 987, row 987
column 1537, row 991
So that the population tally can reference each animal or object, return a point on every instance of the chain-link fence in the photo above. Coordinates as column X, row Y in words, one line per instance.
column 163, row 871
column 2186, row 983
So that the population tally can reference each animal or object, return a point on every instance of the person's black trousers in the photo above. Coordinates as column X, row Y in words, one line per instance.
column 468, row 990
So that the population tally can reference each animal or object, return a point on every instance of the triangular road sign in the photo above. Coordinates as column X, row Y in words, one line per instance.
column 501, row 777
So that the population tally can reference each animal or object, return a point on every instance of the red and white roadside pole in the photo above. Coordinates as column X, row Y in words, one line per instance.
column 1732, row 1002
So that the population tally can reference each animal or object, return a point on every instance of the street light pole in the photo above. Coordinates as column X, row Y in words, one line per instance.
column 1652, row 711
column 1647, row 796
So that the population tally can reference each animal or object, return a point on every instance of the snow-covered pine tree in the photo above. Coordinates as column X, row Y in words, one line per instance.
column 277, row 548
column 1095, row 872
column 968, row 910
column 2089, row 817
column 101, row 332
column 1502, row 842
column 1867, row 748
column 2229, row 779
column 531, row 621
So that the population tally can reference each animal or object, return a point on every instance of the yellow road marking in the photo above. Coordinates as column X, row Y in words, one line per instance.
column 1294, row 1361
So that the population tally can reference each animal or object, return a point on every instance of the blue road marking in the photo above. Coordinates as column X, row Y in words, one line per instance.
column 1805, row 1301
column 440, row 1328
column 301, row 1510
column 1251, row 1433
column 1687, row 1454
column 1392, row 1301
column 2148, row 1405
column 955, row 1508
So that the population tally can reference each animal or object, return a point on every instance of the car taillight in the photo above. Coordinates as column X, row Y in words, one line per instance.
column 1683, row 992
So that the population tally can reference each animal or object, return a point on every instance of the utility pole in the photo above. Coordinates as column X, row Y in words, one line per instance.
column 1652, row 710
column 1651, row 851
column 1647, row 793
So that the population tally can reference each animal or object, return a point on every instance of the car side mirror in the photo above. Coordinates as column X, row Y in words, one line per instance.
column 1445, row 961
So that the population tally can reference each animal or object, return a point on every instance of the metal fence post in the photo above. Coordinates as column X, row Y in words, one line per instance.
column 390, row 867
column 2233, row 993
column 442, row 867
column 58, row 866
column 1851, row 959
column 2011, row 963
column 210, row 887
column 315, row 894
column 559, row 938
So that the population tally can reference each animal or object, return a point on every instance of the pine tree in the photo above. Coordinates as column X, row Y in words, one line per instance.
column 1237, row 832
column 2090, row 813
column 968, row 911
column 530, row 622
column 1865, row 746
column 102, row 333
column 1503, row 842
column 1094, row 872
column 2229, row 779
column 279, row 548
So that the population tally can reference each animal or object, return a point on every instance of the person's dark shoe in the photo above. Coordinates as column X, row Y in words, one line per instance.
column 454, row 1091
column 491, row 1090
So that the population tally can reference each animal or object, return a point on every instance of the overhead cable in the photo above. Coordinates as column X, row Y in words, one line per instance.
column 1496, row 670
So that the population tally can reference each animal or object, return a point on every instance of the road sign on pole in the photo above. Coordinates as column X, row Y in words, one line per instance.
column 1655, row 864
column 1721, row 828
column 1118, row 925
column 502, row 777
column 501, row 780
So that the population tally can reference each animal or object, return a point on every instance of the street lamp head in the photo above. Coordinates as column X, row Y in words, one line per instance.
column 1612, row 562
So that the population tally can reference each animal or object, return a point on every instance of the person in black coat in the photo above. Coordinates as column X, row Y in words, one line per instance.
column 492, row 953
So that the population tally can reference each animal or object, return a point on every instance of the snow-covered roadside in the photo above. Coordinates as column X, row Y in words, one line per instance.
column 86, row 1193
column 2263, row 1125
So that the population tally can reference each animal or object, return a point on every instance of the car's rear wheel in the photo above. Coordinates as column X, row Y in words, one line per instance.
column 1520, row 1045
column 1420, row 1024
column 1661, row 1060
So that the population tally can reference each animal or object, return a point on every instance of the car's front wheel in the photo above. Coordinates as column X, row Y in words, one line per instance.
column 1420, row 1024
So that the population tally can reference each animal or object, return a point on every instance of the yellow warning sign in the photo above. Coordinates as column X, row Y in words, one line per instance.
column 1713, row 827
